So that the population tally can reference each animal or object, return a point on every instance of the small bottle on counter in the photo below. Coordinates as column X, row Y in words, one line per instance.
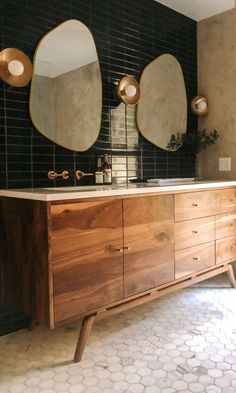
column 107, row 175
column 99, row 172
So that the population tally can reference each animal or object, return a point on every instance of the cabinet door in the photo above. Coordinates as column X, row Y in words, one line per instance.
column 86, row 259
column 148, row 242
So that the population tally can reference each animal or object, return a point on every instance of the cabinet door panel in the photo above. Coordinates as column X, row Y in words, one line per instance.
column 149, row 242
column 87, row 263
column 226, row 249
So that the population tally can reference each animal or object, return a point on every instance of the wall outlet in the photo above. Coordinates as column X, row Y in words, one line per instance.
column 225, row 164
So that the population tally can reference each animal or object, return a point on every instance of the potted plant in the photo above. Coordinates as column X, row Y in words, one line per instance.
column 197, row 141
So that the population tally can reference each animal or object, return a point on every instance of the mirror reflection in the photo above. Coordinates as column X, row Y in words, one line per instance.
column 162, row 109
column 66, row 89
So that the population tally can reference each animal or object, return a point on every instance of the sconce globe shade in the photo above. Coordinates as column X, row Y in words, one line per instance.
column 130, row 90
column 15, row 67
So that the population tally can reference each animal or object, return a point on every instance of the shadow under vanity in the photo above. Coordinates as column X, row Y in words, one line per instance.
column 96, row 253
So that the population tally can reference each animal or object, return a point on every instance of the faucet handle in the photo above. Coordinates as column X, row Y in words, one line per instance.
column 79, row 174
column 54, row 175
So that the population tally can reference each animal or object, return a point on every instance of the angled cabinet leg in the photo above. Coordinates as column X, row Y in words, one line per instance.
column 83, row 336
column 231, row 276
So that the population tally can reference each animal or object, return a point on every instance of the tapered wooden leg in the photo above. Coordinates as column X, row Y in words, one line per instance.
column 83, row 336
column 231, row 277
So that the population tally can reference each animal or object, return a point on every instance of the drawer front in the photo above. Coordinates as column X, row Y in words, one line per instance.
column 194, row 259
column 227, row 202
column 194, row 232
column 225, row 225
column 226, row 249
column 196, row 204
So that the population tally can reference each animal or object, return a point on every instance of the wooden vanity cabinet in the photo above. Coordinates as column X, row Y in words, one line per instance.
column 100, row 256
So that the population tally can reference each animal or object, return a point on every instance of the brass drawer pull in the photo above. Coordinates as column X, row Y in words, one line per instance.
column 232, row 247
column 196, row 258
column 196, row 232
column 114, row 249
column 128, row 248
column 196, row 204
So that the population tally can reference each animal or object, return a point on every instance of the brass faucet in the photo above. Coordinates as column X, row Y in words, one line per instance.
column 54, row 175
column 79, row 174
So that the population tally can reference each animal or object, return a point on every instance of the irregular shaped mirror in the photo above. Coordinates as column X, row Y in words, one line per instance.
column 162, row 109
column 66, row 88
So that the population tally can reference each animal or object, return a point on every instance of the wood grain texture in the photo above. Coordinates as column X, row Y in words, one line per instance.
column 226, row 249
column 24, row 250
column 87, row 263
column 196, row 204
column 193, row 232
column 225, row 225
column 149, row 232
column 194, row 259
column 227, row 200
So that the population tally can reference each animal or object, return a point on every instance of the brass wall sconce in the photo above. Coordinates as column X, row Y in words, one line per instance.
column 128, row 90
column 199, row 105
column 15, row 67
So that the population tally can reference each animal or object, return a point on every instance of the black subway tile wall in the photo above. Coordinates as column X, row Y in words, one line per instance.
column 128, row 35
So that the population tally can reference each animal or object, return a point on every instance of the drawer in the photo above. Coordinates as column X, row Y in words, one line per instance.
column 225, row 225
column 196, row 204
column 226, row 249
column 193, row 232
column 194, row 259
column 227, row 201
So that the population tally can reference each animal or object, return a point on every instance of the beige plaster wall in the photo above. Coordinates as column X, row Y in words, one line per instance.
column 217, row 79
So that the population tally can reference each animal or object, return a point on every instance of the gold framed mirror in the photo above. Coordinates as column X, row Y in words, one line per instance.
column 66, row 88
column 162, row 108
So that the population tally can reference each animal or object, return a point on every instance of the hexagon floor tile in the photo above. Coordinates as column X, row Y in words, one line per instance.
column 185, row 342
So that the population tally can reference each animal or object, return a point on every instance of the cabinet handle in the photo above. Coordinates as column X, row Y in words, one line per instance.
column 196, row 231
column 128, row 248
column 196, row 258
column 232, row 247
column 196, row 204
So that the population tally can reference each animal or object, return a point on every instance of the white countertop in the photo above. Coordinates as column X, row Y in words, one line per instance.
column 66, row 193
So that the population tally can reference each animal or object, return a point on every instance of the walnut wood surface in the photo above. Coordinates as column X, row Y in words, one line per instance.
column 196, row 204
column 149, row 232
column 227, row 200
column 24, row 254
column 194, row 259
column 193, row 232
column 225, row 225
column 226, row 249
column 87, row 263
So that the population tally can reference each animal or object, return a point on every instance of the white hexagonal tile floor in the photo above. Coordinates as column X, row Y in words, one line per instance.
column 185, row 343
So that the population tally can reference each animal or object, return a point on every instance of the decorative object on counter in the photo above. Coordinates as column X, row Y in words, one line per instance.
column 54, row 175
column 66, row 88
column 15, row 67
column 99, row 172
column 79, row 174
column 199, row 105
column 162, row 109
column 197, row 141
column 128, row 90
column 107, row 172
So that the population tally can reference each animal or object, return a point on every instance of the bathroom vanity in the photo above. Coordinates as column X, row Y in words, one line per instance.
column 95, row 251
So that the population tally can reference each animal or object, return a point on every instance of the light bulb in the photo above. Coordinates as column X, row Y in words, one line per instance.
column 15, row 67
column 130, row 90
column 202, row 105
